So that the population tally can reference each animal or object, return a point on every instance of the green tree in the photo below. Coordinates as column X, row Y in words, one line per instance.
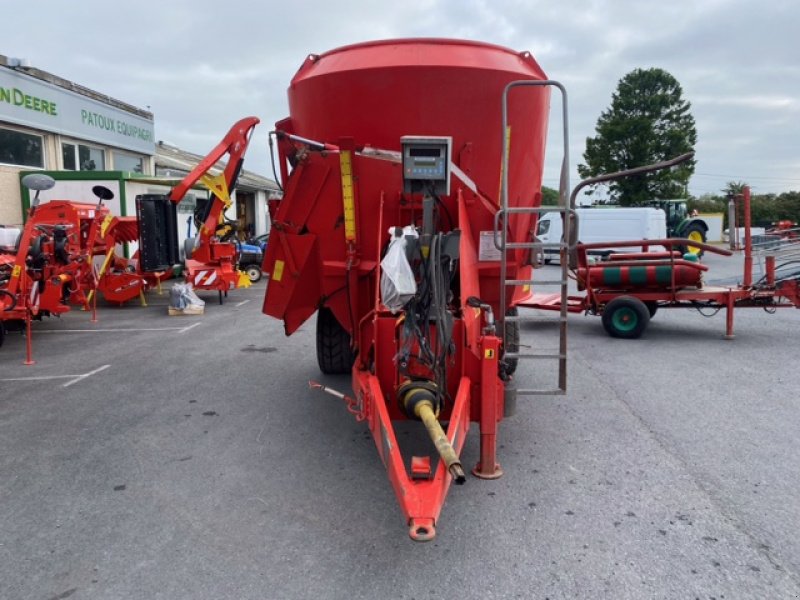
column 765, row 209
column 788, row 206
column 733, row 188
column 549, row 196
column 648, row 122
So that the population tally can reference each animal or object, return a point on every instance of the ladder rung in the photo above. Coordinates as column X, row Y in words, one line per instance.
column 522, row 210
column 533, row 245
column 520, row 282
column 551, row 246
column 536, row 282
column 534, row 356
column 553, row 317
column 532, row 392
column 556, row 319
column 520, row 245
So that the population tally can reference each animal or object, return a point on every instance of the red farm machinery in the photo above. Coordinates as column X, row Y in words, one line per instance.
column 211, row 259
column 68, row 252
column 412, row 173
column 64, row 256
column 627, row 288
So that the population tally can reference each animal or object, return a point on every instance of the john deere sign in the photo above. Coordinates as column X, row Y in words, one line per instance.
column 27, row 101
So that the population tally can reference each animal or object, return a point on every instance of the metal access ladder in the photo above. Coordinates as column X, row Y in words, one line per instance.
column 502, row 219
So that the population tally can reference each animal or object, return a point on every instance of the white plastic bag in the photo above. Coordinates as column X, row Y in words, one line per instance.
column 398, row 285
column 182, row 296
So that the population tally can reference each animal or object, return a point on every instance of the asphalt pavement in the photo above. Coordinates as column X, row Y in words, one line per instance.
column 156, row 457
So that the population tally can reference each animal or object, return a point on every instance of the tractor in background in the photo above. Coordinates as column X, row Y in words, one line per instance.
column 249, row 259
column 681, row 224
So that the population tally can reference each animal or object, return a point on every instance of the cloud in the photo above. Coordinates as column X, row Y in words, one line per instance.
column 202, row 65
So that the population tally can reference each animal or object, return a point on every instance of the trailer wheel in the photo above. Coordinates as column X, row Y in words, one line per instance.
column 696, row 233
column 511, row 340
column 334, row 354
column 652, row 307
column 625, row 317
column 2, row 332
column 253, row 273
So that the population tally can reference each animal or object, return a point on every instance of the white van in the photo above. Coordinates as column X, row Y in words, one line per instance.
column 605, row 225
column 9, row 236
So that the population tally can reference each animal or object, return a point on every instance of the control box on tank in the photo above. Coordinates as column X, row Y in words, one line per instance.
column 426, row 164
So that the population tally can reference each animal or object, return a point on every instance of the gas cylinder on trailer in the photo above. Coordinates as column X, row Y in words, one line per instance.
column 658, row 274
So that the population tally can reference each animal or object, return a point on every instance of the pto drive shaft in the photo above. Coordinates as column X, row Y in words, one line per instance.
column 424, row 410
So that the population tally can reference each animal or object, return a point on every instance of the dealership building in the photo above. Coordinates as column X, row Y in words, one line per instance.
column 82, row 137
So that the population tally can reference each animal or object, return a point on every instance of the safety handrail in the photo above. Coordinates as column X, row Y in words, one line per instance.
column 667, row 242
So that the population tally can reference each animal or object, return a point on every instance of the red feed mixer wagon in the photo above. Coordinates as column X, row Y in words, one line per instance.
column 412, row 174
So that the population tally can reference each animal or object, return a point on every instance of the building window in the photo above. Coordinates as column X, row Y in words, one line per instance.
column 78, row 157
column 128, row 162
column 189, row 203
column 24, row 149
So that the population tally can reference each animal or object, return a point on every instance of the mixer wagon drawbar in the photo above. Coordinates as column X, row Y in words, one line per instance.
column 412, row 174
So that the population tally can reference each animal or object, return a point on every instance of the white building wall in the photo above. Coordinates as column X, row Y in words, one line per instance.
column 10, row 200
column 81, row 191
column 262, row 216
column 714, row 222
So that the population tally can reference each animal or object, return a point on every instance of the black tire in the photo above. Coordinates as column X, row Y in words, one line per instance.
column 334, row 354
column 511, row 340
column 652, row 307
column 7, row 300
column 625, row 317
column 2, row 333
column 694, row 232
column 35, row 249
column 253, row 273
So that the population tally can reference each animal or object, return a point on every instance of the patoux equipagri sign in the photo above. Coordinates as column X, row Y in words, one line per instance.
column 27, row 101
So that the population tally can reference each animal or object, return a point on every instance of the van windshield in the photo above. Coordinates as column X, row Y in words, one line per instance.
column 543, row 227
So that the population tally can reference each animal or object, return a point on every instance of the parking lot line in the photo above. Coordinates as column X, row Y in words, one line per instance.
column 115, row 330
column 85, row 375
column 188, row 327
column 72, row 378
column 242, row 303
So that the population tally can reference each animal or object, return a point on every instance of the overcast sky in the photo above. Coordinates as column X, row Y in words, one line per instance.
column 199, row 66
